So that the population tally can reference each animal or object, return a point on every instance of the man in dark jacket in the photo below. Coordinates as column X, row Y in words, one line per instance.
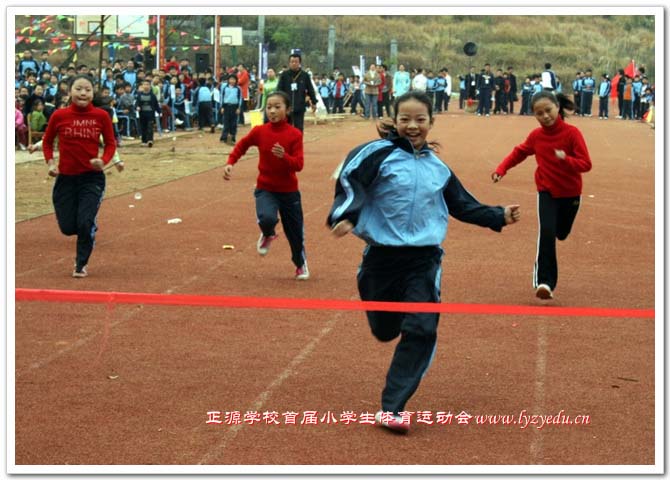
column 471, row 80
column 297, row 84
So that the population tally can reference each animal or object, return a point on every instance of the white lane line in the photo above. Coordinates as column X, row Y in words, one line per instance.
column 539, row 400
column 216, row 454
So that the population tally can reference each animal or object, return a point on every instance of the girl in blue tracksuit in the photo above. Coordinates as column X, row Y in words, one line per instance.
column 604, row 95
column 397, row 195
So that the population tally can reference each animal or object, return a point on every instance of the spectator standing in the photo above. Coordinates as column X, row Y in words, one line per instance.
column 297, row 84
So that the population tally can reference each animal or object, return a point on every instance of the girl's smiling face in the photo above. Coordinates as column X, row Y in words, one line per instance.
column 413, row 121
column 545, row 112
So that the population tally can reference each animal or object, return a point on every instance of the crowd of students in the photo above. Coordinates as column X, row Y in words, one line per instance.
column 140, row 100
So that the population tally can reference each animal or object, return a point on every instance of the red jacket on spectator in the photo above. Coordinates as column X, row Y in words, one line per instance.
column 243, row 83
column 170, row 65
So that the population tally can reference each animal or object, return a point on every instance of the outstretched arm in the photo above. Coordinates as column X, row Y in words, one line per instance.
column 464, row 207
column 516, row 156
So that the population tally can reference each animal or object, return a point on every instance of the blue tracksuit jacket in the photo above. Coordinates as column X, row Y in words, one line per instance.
column 396, row 196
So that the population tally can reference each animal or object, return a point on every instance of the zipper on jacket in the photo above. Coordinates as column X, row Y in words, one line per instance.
column 416, row 175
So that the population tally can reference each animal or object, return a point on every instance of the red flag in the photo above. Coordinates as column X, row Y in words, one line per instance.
column 630, row 69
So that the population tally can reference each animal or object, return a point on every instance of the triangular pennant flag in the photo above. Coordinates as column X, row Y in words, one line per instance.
column 93, row 42
column 18, row 39
column 183, row 33
column 196, row 37
column 79, row 44
column 630, row 69
column 145, row 43
column 32, row 39
column 184, row 49
column 196, row 47
column 152, row 43
column 24, row 29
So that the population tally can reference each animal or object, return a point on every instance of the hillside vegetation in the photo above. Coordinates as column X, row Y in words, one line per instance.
column 603, row 43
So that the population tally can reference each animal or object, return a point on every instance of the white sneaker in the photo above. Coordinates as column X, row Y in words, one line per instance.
column 81, row 273
column 302, row 273
column 543, row 292
column 178, row 121
column 392, row 422
column 263, row 244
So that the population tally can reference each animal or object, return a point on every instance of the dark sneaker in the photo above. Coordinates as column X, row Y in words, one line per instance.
column 150, row 143
column 391, row 421
column 263, row 244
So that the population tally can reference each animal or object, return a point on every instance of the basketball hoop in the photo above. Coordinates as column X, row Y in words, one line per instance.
column 226, row 40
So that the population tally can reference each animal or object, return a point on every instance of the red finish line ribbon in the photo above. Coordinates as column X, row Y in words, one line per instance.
column 77, row 296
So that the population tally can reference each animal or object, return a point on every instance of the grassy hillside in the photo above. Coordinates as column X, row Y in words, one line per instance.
column 603, row 43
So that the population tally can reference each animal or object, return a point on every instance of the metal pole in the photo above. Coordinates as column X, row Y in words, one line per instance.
column 102, row 39
column 331, row 48
column 217, row 47
column 159, row 44
column 394, row 56
column 158, row 64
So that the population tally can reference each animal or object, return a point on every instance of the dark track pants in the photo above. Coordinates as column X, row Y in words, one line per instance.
column 587, row 102
column 289, row 208
column 297, row 119
column 556, row 216
column 76, row 200
column 147, row 126
column 403, row 274
column 229, row 121
column 484, row 106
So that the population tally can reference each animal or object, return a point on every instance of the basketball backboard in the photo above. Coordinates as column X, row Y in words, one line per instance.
column 231, row 36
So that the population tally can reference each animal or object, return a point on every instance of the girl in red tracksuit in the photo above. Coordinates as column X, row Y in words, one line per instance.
column 562, row 157
column 80, row 181
column 280, row 158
